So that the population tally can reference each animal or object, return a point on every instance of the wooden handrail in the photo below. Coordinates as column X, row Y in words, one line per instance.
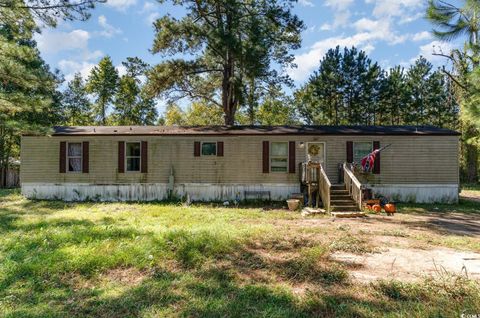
column 352, row 184
column 324, row 186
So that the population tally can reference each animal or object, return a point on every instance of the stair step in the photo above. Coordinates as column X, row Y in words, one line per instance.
column 342, row 202
column 333, row 192
column 340, row 197
column 345, row 208
column 351, row 214
column 338, row 187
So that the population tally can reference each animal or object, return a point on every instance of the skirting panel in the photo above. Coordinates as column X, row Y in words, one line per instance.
column 418, row 193
column 154, row 191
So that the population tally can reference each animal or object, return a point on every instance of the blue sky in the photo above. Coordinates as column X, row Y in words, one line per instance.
column 391, row 31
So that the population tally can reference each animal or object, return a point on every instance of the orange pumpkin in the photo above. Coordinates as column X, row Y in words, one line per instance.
column 390, row 208
column 377, row 208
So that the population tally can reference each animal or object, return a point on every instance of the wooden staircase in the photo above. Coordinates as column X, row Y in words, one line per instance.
column 342, row 204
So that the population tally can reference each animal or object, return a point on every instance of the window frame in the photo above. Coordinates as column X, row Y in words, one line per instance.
column 68, row 157
column 208, row 142
column 278, row 157
column 361, row 142
column 129, row 157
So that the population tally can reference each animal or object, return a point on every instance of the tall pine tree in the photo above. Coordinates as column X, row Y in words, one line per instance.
column 102, row 83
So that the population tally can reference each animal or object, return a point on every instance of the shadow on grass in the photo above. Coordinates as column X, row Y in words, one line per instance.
column 54, row 268
column 461, row 219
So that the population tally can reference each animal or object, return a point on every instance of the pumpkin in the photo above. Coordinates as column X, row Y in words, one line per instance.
column 390, row 208
column 377, row 208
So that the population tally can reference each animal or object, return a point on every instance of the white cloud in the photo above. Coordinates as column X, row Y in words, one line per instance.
column 121, row 69
column 338, row 4
column 420, row 36
column 325, row 27
column 121, row 5
column 148, row 6
column 70, row 67
column 428, row 50
column 152, row 17
column 51, row 41
column 308, row 61
column 394, row 7
column 379, row 30
column 306, row 3
column 108, row 30
column 341, row 14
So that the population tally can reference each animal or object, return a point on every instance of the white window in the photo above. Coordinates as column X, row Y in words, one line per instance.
column 74, row 157
column 209, row 149
column 279, row 156
column 132, row 156
column 361, row 149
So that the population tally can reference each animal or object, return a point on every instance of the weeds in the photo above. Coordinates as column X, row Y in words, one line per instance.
column 162, row 259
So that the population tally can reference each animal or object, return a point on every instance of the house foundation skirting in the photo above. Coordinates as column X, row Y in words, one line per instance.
column 155, row 191
column 418, row 193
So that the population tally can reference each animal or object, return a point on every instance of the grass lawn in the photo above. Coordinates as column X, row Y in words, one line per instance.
column 153, row 260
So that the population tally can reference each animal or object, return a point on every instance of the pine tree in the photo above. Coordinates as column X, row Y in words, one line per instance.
column 102, row 83
column 28, row 98
column 344, row 90
column 393, row 98
column 223, row 45
column 174, row 116
column 276, row 109
column 76, row 104
column 417, row 76
column 132, row 105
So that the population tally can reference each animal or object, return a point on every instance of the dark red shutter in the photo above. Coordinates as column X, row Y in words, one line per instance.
column 63, row 157
column 121, row 156
column 266, row 157
column 85, row 156
column 350, row 151
column 376, row 165
column 196, row 148
column 220, row 148
column 291, row 157
column 144, row 158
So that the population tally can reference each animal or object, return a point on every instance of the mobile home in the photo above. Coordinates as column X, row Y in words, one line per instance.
column 130, row 163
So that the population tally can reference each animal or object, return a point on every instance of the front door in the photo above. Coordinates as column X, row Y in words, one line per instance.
column 316, row 152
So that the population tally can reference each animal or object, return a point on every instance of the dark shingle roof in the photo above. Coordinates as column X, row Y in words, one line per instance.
column 251, row 130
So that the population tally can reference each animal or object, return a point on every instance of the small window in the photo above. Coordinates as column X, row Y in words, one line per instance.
column 360, row 150
column 74, row 157
column 132, row 156
column 209, row 148
column 279, row 157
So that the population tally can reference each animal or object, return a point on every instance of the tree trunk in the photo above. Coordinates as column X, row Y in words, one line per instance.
column 229, row 100
column 472, row 163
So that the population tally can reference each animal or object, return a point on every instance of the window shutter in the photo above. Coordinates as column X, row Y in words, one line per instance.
column 220, row 148
column 63, row 157
column 291, row 157
column 350, row 151
column 85, row 156
column 121, row 156
column 266, row 157
column 144, row 153
column 196, row 148
column 376, row 164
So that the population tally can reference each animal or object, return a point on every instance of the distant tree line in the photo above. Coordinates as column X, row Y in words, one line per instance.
column 349, row 89
column 109, row 99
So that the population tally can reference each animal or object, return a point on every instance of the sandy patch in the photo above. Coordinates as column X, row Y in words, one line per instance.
column 410, row 264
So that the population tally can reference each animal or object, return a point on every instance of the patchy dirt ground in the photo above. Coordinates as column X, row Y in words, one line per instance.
column 406, row 247
column 471, row 195
column 410, row 264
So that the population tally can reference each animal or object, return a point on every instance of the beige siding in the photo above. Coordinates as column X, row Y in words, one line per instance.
column 409, row 160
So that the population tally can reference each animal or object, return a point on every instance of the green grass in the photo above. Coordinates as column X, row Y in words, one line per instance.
column 154, row 260
column 463, row 206
column 471, row 186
